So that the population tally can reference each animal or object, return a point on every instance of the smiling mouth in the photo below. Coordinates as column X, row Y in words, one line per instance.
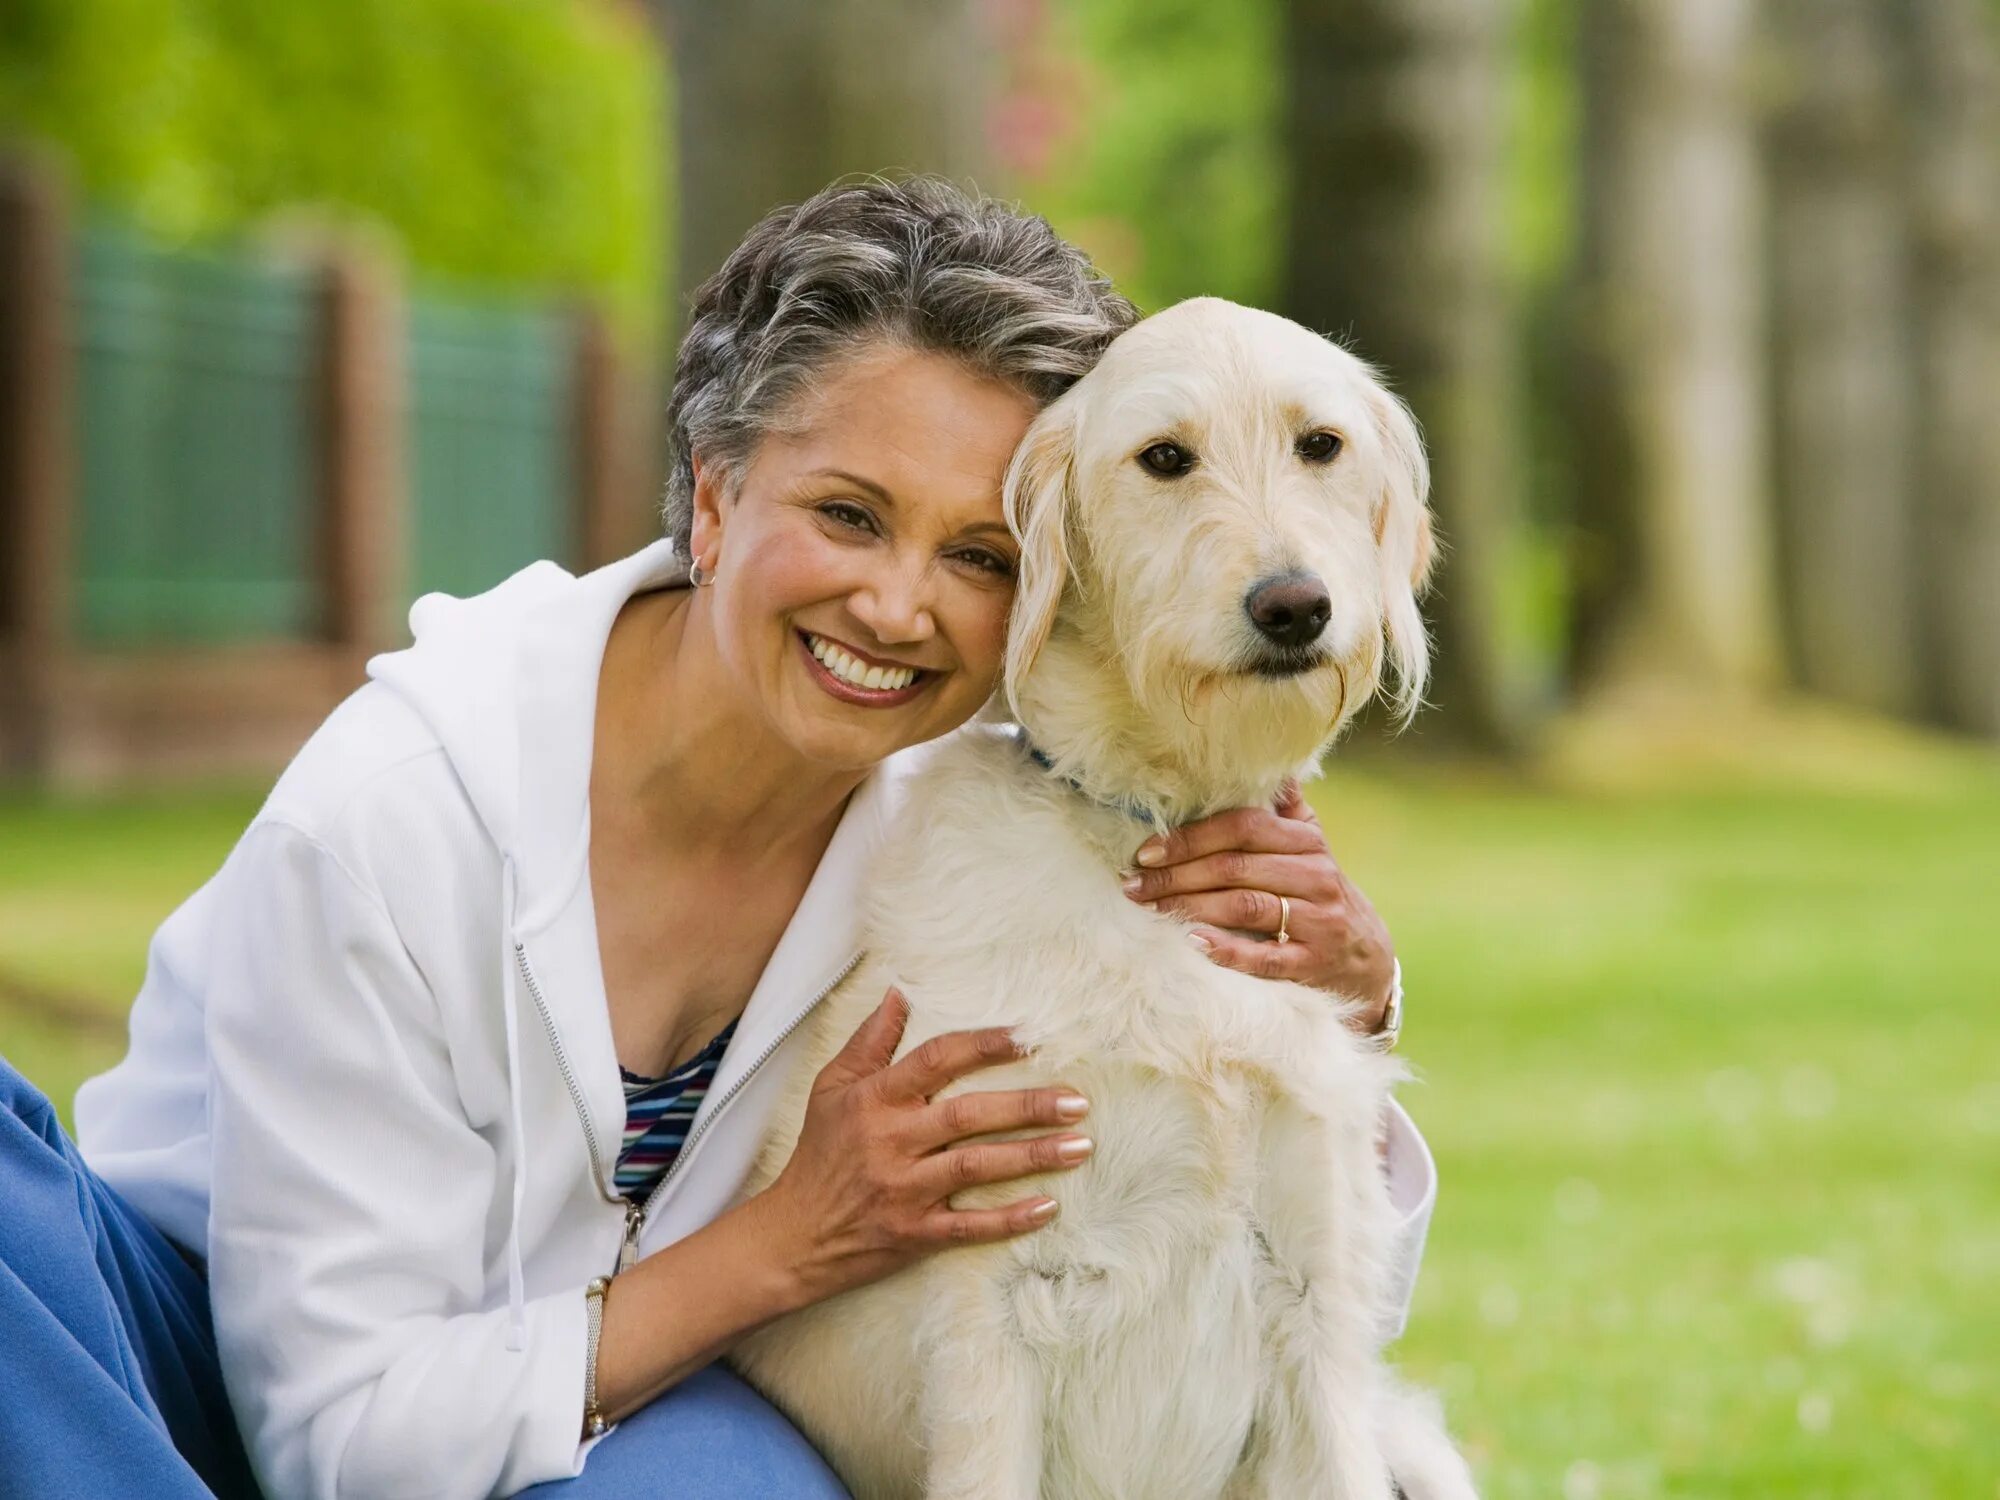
column 854, row 679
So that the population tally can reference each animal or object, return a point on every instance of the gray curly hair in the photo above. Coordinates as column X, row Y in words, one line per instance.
column 915, row 262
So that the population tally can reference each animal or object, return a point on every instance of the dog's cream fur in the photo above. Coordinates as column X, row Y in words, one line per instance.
column 1203, row 1318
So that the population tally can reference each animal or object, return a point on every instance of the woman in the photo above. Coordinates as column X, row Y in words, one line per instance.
column 492, row 996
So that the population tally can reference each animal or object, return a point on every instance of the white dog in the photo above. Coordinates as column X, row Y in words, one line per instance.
column 1223, row 531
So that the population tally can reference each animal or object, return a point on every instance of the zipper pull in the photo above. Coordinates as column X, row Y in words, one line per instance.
column 628, row 1251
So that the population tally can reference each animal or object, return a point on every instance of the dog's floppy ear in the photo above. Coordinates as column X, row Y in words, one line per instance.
column 1405, row 543
column 1039, row 493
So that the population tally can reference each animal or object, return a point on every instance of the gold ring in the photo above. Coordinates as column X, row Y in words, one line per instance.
column 1284, row 919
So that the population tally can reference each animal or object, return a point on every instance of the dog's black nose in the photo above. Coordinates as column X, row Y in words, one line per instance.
column 1290, row 609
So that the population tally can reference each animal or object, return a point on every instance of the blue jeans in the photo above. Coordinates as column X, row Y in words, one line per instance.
column 109, row 1383
column 711, row 1435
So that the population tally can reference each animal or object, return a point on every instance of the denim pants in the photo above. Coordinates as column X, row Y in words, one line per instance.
column 109, row 1383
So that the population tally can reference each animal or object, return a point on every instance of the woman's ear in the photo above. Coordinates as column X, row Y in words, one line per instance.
column 705, row 532
column 1039, row 493
column 1405, row 543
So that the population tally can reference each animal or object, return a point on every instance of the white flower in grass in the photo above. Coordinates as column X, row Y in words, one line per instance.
column 1500, row 1306
column 1815, row 1411
column 1582, row 1481
column 1578, row 1201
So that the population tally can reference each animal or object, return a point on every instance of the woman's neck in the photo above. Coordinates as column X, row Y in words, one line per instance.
column 679, row 747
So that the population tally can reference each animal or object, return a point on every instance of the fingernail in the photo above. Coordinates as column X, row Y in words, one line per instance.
column 1151, row 853
column 1201, row 944
column 1076, row 1148
column 1044, row 1211
column 1071, row 1106
column 1131, row 885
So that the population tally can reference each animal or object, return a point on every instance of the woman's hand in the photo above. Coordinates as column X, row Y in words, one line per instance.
column 1228, row 871
column 865, row 1191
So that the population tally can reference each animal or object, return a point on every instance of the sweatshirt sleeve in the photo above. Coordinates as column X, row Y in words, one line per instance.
column 1412, row 1192
column 349, row 1203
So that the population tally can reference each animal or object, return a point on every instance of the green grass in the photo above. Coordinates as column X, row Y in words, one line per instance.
column 1713, row 1077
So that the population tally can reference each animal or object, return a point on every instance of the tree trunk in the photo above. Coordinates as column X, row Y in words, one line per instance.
column 1841, row 340
column 1951, row 57
column 1393, row 127
column 1673, row 574
column 777, row 98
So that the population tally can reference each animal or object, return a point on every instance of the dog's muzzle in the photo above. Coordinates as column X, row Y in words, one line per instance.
column 1290, row 612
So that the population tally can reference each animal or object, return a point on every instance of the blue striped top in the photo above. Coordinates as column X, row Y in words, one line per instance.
column 658, row 1112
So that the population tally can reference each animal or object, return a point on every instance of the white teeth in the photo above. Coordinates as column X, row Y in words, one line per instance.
column 857, row 674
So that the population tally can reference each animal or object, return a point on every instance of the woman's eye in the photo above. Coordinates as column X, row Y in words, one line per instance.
column 1319, row 447
column 989, row 562
column 1168, row 460
column 848, row 514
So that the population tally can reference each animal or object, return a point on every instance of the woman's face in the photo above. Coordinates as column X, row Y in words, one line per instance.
column 863, row 567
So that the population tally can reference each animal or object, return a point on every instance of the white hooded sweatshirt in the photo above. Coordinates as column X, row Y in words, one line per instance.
column 371, row 1071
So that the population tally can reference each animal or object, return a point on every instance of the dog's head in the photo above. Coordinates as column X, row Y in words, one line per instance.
column 1223, row 534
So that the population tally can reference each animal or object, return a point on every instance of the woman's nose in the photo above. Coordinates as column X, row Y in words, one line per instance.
column 896, row 606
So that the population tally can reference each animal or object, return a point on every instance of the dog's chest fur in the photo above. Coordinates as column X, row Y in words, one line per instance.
column 1233, row 1118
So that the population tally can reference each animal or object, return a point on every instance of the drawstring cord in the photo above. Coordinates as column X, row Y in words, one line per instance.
column 517, row 1315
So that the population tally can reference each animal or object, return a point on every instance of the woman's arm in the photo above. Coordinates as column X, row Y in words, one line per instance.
column 349, row 1204
column 863, row 1195
column 350, row 1199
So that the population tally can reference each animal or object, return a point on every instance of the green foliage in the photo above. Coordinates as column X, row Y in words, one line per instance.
column 1170, row 174
column 1172, row 167
column 506, row 142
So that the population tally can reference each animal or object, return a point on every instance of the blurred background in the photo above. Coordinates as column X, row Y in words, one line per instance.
column 1694, row 861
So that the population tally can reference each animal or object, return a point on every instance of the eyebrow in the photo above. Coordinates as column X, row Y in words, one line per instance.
column 856, row 480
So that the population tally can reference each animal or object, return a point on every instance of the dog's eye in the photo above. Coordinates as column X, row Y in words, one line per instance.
column 1319, row 447
column 1168, row 460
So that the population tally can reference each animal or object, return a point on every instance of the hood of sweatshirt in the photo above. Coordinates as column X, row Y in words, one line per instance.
column 507, row 681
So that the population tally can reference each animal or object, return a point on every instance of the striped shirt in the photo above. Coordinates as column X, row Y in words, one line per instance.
column 658, row 1112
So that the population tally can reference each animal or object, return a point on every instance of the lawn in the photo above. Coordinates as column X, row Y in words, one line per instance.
column 1712, row 1073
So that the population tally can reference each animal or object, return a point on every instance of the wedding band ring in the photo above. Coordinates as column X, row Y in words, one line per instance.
column 1284, row 919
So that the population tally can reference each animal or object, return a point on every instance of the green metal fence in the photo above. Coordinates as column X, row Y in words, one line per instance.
column 491, row 441
column 195, row 461
column 201, row 450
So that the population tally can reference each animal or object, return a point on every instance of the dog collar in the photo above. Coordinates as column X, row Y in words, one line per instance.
column 1125, row 805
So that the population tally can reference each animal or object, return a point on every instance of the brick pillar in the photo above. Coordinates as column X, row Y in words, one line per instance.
column 36, row 455
column 363, row 487
column 611, row 500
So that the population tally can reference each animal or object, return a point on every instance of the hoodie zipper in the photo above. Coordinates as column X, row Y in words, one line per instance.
column 568, row 1077
column 628, row 1253
column 636, row 1214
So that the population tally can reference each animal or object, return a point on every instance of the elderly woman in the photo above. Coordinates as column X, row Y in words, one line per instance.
column 492, row 998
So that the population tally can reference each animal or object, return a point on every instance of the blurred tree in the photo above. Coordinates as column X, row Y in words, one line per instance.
column 1841, row 322
column 1393, row 133
column 1950, row 53
column 1166, row 157
column 1673, row 575
column 502, row 144
column 778, row 98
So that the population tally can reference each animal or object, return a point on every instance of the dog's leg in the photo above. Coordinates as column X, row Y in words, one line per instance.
column 1320, row 1231
column 1420, row 1452
column 982, row 1392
